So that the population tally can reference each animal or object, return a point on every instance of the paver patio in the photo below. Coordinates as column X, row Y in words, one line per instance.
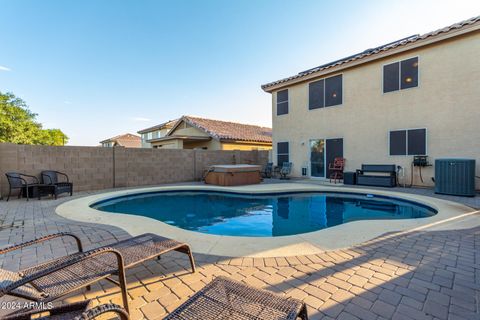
column 428, row 274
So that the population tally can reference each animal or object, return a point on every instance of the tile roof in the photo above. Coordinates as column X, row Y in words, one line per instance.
column 377, row 50
column 224, row 130
column 127, row 140
column 158, row 126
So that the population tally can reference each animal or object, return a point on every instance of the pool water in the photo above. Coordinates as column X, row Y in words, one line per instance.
column 262, row 215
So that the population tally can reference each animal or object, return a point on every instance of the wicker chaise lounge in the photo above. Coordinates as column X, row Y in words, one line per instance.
column 225, row 299
column 74, row 311
column 56, row 278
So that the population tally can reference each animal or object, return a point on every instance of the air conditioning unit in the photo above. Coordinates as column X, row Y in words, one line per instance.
column 455, row 177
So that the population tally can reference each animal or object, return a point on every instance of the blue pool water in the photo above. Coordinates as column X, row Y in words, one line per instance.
column 262, row 215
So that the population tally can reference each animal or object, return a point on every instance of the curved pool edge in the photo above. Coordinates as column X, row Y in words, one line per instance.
column 341, row 236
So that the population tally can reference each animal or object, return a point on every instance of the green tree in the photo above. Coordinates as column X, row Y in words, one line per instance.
column 18, row 124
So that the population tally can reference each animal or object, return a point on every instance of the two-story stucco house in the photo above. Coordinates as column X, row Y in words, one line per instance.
column 155, row 132
column 415, row 96
column 127, row 140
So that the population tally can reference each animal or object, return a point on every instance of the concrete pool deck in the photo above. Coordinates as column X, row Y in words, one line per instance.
column 338, row 237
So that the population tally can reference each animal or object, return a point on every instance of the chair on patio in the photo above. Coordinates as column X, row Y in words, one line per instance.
column 58, row 277
column 286, row 170
column 50, row 177
column 336, row 169
column 20, row 181
column 228, row 299
column 74, row 311
column 268, row 170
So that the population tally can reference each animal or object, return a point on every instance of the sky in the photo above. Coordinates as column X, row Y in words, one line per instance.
column 96, row 69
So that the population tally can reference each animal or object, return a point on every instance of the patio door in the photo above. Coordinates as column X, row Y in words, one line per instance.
column 322, row 153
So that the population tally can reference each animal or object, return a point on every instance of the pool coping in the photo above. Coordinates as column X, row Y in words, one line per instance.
column 341, row 236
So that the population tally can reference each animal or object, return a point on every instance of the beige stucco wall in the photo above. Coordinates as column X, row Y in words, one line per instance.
column 244, row 146
column 171, row 144
column 188, row 131
column 209, row 145
column 446, row 102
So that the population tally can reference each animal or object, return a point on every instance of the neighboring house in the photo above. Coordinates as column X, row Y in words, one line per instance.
column 127, row 140
column 199, row 133
column 415, row 96
column 155, row 132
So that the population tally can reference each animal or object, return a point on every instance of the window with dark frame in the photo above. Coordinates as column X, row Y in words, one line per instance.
column 409, row 142
column 282, row 102
column 400, row 75
column 316, row 94
column 333, row 91
column 282, row 153
column 327, row 92
column 398, row 143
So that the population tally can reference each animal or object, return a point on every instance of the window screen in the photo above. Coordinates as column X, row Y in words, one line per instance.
column 282, row 153
column 400, row 75
column 391, row 73
column 282, row 102
column 316, row 94
column 398, row 143
column 333, row 91
column 409, row 71
column 408, row 142
column 417, row 142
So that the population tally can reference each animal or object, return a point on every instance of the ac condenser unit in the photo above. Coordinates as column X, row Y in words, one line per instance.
column 455, row 177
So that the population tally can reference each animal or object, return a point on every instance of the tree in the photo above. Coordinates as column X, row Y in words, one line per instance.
column 18, row 124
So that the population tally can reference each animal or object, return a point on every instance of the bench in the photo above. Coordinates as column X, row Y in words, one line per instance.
column 377, row 175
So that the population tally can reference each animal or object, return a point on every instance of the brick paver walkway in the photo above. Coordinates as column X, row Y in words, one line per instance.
column 422, row 275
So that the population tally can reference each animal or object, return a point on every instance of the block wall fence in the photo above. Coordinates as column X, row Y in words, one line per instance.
column 96, row 168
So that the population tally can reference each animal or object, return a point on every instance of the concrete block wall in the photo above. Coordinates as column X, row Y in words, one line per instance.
column 95, row 168
column 157, row 166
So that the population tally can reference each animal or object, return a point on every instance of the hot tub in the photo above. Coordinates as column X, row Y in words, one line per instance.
column 233, row 175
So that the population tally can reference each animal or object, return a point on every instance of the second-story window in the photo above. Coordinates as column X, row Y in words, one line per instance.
column 282, row 102
column 325, row 93
column 400, row 75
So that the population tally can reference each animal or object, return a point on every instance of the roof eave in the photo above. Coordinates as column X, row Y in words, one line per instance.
column 269, row 87
column 246, row 141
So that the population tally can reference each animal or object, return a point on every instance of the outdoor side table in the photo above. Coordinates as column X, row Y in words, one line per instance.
column 41, row 190
column 228, row 299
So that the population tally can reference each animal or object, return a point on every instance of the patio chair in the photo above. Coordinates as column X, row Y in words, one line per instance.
column 56, row 278
column 336, row 169
column 74, row 311
column 268, row 170
column 286, row 170
column 20, row 181
column 50, row 177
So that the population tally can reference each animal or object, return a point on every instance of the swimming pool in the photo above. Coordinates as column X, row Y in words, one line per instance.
column 262, row 215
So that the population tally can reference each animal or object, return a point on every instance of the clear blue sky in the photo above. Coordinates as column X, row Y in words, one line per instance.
column 96, row 69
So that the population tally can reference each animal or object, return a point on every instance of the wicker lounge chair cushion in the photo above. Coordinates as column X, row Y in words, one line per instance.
column 227, row 299
column 138, row 249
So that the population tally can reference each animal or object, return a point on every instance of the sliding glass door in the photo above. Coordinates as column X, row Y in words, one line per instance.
column 317, row 158
column 322, row 153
